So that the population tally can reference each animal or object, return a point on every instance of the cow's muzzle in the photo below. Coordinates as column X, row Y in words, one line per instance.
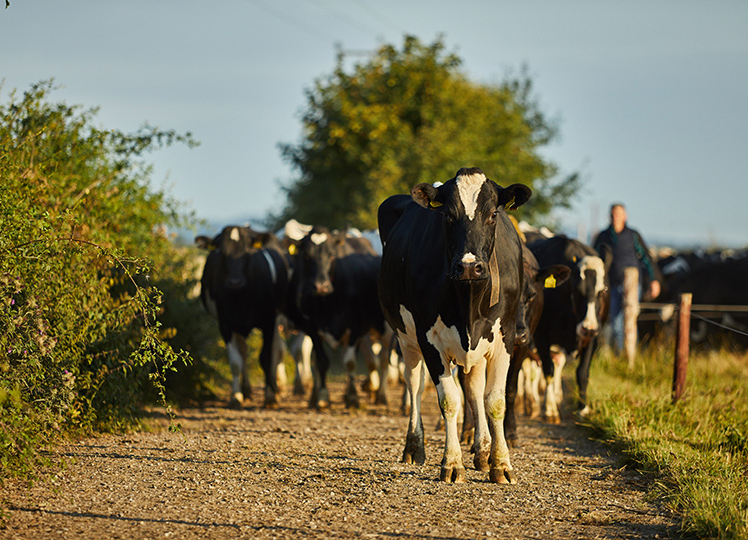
column 323, row 288
column 469, row 271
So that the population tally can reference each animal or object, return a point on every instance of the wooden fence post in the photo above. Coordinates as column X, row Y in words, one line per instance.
column 630, row 312
column 682, row 337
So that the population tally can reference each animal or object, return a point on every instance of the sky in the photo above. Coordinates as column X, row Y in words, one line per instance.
column 651, row 97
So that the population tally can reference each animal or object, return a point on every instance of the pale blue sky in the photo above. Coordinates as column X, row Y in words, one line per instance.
column 652, row 96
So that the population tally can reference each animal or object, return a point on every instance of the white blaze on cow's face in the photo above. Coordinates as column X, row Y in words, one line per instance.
column 591, row 265
column 234, row 234
column 318, row 238
column 469, row 187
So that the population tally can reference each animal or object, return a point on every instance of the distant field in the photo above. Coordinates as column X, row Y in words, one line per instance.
column 698, row 448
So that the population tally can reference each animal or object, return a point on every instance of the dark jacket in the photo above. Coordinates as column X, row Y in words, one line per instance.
column 628, row 249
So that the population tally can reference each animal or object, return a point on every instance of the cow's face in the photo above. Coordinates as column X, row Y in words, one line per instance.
column 316, row 260
column 235, row 244
column 469, row 204
column 590, row 297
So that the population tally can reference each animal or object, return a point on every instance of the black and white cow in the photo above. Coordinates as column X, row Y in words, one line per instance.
column 572, row 317
column 333, row 296
column 450, row 286
column 536, row 280
column 244, row 285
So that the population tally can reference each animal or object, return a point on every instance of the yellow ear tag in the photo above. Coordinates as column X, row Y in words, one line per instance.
column 292, row 249
column 435, row 204
column 257, row 244
column 550, row 282
column 508, row 206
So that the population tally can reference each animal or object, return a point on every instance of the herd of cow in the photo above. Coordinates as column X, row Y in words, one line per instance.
column 466, row 295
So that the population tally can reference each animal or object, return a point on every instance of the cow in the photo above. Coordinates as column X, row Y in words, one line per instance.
column 573, row 315
column 536, row 280
column 244, row 285
column 333, row 296
column 450, row 286
column 716, row 280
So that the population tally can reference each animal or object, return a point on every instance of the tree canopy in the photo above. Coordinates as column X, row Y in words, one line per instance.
column 408, row 116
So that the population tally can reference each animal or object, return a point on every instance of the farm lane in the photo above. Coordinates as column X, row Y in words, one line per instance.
column 295, row 473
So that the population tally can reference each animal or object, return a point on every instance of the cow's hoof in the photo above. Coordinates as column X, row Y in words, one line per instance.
column 298, row 388
column 236, row 401
column 585, row 412
column 380, row 399
column 271, row 401
column 352, row 401
column 502, row 476
column 322, row 400
column 511, row 442
column 553, row 419
column 452, row 475
column 481, row 461
column 417, row 457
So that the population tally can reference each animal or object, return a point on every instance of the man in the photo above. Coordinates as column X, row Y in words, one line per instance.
column 628, row 251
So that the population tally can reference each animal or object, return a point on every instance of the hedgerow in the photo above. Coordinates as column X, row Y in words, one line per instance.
column 86, row 254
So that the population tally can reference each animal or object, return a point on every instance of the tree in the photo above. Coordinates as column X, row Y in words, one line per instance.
column 409, row 116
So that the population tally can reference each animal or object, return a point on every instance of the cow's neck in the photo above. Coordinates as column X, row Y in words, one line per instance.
column 474, row 302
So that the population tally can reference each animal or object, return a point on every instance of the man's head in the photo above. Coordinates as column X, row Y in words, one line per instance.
column 618, row 217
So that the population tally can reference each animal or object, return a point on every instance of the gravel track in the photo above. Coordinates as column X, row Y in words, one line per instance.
column 296, row 473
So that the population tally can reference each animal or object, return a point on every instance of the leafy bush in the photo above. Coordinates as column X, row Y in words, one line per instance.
column 85, row 254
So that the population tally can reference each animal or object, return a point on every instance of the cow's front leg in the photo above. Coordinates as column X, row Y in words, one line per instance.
column 415, row 451
column 237, row 353
column 450, row 401
column 501, row 471
column 351, row 394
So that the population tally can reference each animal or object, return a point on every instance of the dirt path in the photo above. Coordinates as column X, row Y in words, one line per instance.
column 294, row 473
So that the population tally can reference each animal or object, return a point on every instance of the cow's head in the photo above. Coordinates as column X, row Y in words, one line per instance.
column 234, row 245
column 590, row 296
column 315, row 259
column 470, row 204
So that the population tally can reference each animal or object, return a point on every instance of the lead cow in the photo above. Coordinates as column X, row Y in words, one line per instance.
column 449, row 285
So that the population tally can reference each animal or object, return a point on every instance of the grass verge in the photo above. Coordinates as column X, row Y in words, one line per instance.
column 697, row 448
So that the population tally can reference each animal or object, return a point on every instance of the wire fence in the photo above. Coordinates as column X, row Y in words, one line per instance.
column 665, row 311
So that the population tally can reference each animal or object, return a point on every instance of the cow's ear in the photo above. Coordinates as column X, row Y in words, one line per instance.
column 203, row 242
column 425, row 195
column 553, row 276
column 514, row 196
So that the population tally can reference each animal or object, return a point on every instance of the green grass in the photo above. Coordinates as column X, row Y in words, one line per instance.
column 697, row 448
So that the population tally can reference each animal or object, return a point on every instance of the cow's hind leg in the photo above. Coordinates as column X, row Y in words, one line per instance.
column 269, row 363
column 415, row 370
column 475, row 387
column 351, row 394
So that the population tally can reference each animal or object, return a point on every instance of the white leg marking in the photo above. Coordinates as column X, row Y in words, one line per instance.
column 236, row 362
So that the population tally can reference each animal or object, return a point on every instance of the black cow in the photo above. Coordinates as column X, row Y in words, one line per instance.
column 450, row 287
column 334, row 295
column 244, row 285
column 716, row 280
column 530, row 310
column 573, row 314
